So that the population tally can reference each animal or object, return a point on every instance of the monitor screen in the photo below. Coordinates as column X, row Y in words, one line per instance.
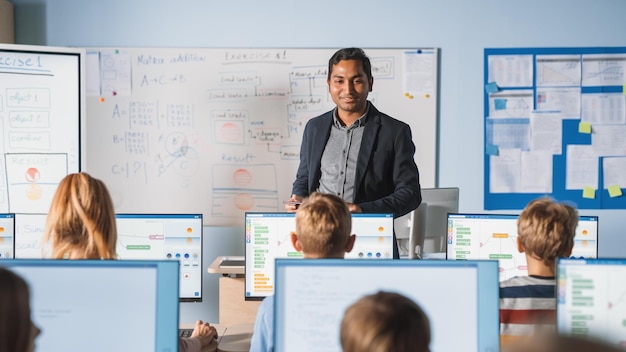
column 7, row 236
column 102, row 305
column 29, row 229
column 494, row 236
column 312, row 295
column 268, row 236
column 165, row 236
column 591, row 295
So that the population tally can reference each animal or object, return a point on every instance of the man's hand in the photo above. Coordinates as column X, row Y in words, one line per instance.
column 354, row 208
column 291, row 205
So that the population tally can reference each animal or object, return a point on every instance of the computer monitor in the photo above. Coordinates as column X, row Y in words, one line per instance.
column 494, row 236
column 459, row 298
column 7, row 236
column 165, row 236
column 29, row 229
column 267, row 237
column 102, row 305
column 591, row 298
column 424, row 229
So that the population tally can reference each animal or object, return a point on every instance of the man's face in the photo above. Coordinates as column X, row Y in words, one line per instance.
column 348, row 86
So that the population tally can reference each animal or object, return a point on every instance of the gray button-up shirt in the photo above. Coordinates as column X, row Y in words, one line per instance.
column 338, row 164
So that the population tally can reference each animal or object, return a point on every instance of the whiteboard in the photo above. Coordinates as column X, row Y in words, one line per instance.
column 42, row 101
column 218, row 131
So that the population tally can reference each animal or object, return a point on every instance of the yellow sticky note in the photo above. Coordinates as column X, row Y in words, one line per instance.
column 584, row 127
column 624, row 89
column 615, row 191
column 589, row 193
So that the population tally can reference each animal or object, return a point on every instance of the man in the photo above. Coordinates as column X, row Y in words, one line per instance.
column 355, row 151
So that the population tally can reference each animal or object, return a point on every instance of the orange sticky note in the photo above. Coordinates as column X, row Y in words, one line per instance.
column 584, row 127
column 589, row 192
column 615, row 191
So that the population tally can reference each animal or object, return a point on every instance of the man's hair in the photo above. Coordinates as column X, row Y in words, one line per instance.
column 385, row 321
column 350, row 54
column 546, row 229
column 81, row 219
column 323, row 225
column 15, row 323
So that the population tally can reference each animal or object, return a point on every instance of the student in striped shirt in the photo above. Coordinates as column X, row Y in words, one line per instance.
column 546, row 230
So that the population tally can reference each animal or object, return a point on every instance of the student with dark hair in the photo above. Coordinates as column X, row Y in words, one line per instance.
column 17, row 331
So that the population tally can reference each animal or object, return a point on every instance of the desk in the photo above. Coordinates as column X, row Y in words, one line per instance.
column 233, row 308
column 236, row 338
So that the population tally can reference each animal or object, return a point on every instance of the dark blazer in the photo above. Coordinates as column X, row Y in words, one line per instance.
column 387, row 179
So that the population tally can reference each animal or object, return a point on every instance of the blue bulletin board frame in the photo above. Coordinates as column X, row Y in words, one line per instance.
column 571, row 136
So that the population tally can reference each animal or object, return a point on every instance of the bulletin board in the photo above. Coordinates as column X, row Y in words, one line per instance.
column 555, row 124
column 217, row 131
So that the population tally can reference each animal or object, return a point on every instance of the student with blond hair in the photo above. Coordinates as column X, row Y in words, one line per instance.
column 385, row 322
column 81, row 220
column 81, row 225
column 323, row 226
column 546, row 230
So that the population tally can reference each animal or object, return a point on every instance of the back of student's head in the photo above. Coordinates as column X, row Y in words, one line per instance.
column 81, row 220
column 15, row 324
column 546, row 229
column 323, row 225
column 385, row 322
column 559, row 343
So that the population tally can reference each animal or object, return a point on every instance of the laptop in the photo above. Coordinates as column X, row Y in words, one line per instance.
column 268, row 236
column 494, row 236
column 7, row 236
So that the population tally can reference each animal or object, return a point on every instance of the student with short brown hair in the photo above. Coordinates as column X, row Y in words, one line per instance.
column 385, row 322
column 553, row 342
column 323, row 226
column 546, row 230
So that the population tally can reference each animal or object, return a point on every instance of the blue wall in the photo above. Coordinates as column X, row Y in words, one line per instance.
column 461, row 28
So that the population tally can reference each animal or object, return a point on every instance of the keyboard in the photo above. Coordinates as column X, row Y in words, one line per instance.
column 185, row 332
